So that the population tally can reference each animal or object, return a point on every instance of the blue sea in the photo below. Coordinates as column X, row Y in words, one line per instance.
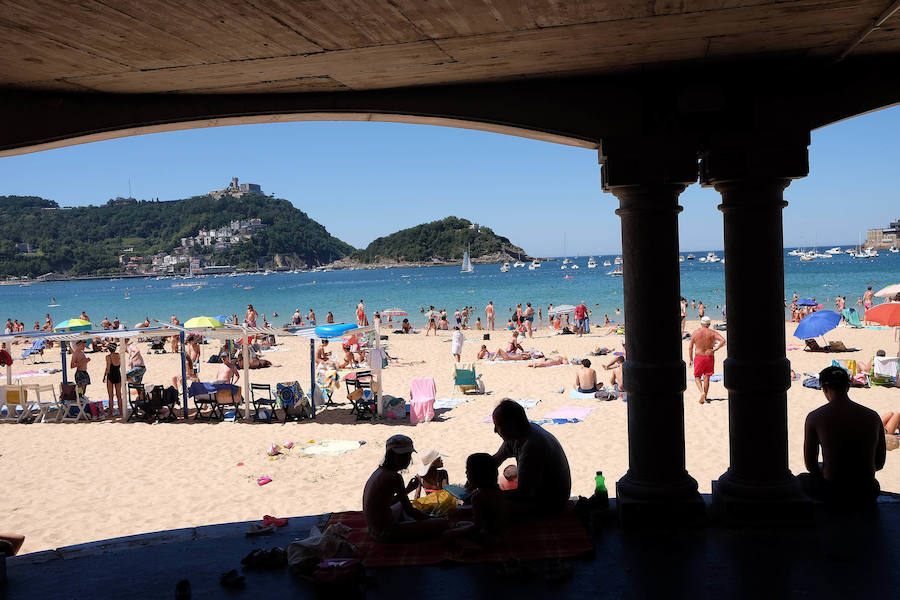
column 414, row 289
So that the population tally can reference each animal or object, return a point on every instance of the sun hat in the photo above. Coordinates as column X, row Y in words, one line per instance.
column 399, row 444
column 427, row 460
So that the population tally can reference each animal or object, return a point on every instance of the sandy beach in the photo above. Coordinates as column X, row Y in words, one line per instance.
column 71, row 483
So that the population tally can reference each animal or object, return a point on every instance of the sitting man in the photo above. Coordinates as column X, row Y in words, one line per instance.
column 616, row 367
column 852, row 441
column 544, row 479
column 586, row 378
column 390, row 515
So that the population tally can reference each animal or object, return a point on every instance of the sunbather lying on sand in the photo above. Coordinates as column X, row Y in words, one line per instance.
column 550, row 361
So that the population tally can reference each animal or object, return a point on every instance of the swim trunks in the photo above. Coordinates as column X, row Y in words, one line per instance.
column 82, row 378
column 704, row 365
column 590, row 391
column 136, row 374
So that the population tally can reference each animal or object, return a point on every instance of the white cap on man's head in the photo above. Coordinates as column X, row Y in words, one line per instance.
column 705, row 320
column 400, row 444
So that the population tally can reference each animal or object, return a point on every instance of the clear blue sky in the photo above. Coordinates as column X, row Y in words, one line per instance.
column 364, row 180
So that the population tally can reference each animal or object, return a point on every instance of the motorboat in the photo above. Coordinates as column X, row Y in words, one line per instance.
column 531, row 267
column 504, row 268
column 606, row 263
column 592, row 264
column 712, row 257
column 835, row 250
column 797, row 252
column 681, row 258
column 618, row 260
column 893, row 250
column 518, row 264
column 564, row 266
column 566, row 261
column 690, row 257
column 574, row 266
column 617, row 272
column 535, row 264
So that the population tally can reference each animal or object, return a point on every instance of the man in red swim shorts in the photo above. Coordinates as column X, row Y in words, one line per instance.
column 704, row 343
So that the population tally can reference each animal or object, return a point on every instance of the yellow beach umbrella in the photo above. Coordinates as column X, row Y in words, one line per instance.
column 198, row 322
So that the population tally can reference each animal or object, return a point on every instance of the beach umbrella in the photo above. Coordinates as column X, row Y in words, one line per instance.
column 73, row 325
column 888, row 292
column 394, row 312
column 562, row 309
column 886, row 314
column 806, row 302
column 816, row 324
column 198, row 322
column 222, row 318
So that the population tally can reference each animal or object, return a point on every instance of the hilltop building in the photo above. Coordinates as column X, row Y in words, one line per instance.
column 237, row 189
column 882, row 239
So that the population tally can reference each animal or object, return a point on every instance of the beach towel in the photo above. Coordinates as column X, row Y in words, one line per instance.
column 331, row 447
column 714, row 377
column 525, row 403
column 571, row 412
column 449, row 402
column 576, row 395
column 560, row 536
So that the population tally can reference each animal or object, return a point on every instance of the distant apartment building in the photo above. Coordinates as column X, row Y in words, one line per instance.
column 224, row 237
column 237, row 189
column 882, row 239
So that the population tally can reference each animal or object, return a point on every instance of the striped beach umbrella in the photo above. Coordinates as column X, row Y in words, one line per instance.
column 394, row 312
column 73, row 325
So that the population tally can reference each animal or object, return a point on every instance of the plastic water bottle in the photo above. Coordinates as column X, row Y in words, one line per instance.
column 601, row 495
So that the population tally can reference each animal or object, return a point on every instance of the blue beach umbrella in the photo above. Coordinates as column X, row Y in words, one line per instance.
column 807, row 302
column 73, row 325
column 816, row 324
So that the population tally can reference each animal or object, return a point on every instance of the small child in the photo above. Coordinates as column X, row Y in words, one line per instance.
column 431, row 476
column 509, row 480
column 389, row 514
column 490, row 509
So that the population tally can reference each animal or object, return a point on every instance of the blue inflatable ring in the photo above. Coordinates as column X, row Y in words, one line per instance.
column 335, row 330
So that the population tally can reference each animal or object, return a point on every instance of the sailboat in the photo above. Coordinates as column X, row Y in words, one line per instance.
column 566, row 260
column 466, row 263
column 504, row 268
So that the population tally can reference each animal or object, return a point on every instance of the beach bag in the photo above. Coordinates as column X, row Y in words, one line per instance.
column 604, row 395
column 486, row 336
column 170, row 396
column 215, row 358
column 438, row 504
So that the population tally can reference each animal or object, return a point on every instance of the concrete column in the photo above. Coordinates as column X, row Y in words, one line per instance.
column 752, row 174
column 647, row 178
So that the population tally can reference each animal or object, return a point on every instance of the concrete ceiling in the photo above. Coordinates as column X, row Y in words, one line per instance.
column 247, row 46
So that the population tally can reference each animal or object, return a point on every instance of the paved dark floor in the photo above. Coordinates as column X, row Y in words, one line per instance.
column 850, row 558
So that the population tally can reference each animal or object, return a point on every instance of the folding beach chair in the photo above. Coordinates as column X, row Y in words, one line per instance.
column 421, row 400
column 37, row 348
column 263, row 400
column 464, row 378
column 72, row 403
column 138, row 403
column 45, row 401
column 361, row 396
column 291, row 399
column 18, row 408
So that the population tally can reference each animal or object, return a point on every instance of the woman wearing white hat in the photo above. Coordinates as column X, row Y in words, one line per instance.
column 430, row 477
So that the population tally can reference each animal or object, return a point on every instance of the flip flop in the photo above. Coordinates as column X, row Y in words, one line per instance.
column 263, row 480
column 259, row 529
column 270, row 520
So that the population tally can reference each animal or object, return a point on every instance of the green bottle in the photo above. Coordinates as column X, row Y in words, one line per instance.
column 601, row 495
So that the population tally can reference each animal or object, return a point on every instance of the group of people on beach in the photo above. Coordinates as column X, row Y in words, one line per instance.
column 537, row 486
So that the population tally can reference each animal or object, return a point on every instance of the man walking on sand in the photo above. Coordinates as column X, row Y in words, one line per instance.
column 704, row 342
column 580, row 318
column 489, row 315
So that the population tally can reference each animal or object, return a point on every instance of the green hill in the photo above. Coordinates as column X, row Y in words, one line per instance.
column 89, row 239
column 444, row 240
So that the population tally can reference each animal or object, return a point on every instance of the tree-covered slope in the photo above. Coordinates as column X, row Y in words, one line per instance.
column 444, row 240
column 89, row 239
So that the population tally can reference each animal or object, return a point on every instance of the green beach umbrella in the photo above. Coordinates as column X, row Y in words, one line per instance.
column 73, row 325
column 197, row 322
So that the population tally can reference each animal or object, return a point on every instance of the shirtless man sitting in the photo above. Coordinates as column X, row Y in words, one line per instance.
column 586, row 378
column 390, row 515
column 616, row 367
column 853, row 446
column 704, row 343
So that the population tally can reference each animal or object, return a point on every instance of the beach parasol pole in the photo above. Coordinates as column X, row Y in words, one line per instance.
column 312, row 375
column 62, row 349
column 123, row 366
column 378, row 409
column 183, row 376
column 245, row 352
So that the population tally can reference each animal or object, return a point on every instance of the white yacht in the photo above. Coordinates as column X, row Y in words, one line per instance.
column 835, row 250
column 690, row 257
column 796, row 252
column 504, row 268
column 617, row 272
column 535, row 264
column 574, row 266
column 531, row 267
column 618, row 260
column 518, row 264
column 712, row 257
column 681, row 258
column 564, row 266
column 893, row 250
column 592, row 264
column 606, row 263
column 566, row 261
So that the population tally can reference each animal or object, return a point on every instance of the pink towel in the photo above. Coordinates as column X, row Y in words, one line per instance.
column 421, row 404
column 570, row 412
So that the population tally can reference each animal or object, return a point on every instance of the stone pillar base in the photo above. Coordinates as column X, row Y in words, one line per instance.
column 685, row 511
column 793, row 507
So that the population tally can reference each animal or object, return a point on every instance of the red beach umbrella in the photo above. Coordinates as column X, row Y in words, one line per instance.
column 886, row 314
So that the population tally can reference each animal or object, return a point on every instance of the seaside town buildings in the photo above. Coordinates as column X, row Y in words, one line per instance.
column 237, row 189
column 882, row 239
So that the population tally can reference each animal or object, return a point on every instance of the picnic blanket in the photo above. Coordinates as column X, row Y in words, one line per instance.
column 552, row 537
